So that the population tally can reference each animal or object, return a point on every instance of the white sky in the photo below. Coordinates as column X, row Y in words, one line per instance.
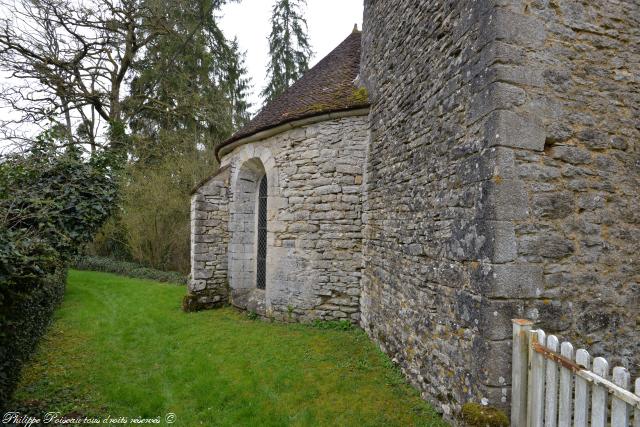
column 329, row 22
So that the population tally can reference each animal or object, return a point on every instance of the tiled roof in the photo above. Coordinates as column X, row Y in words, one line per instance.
column 327, row 87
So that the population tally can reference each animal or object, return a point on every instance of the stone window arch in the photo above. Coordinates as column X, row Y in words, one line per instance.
column 250, row 220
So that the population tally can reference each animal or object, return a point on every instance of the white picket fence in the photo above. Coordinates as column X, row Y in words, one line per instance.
column 555, row 386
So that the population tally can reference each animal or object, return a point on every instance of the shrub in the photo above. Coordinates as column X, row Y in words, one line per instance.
column 111, row 240
column 155, row 205
column 51, row 203
column 130, row 269
column 25, row 313
column 151, row 225
column 56, row 198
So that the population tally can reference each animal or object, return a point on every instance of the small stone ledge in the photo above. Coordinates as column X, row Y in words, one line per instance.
column 219, row 178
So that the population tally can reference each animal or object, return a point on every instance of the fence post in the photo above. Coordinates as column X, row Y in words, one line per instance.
column 551, row 383
column 636, row 412
column 581, row 411
column 519, row 368
column 599, row 395
column 565, row 402
column 535, row 381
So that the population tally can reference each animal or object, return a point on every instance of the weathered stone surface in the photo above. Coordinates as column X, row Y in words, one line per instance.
column 509, row 280
column 208, row 285
column 504, row 200
column 458, row 237
column 553, row 205
column 505, row 128
column 442, row 189
column 497, row 176
column 590, row 110
column 572, row 155
column 314, row 225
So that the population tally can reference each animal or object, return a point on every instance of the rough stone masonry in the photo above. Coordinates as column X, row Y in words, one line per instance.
column 314, row 260
column 503, row 181
column 490, row 170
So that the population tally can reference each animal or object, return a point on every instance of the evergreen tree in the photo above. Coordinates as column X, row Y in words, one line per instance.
column 237, row 85
column 188, row 93
column 289, row 47
column 189, row 88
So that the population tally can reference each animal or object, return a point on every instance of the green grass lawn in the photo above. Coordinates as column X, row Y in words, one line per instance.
column 123, row 347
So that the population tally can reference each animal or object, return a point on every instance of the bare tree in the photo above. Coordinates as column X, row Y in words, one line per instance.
column 67, row 62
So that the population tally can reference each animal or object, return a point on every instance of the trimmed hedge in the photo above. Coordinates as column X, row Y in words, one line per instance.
column 25, row 314
column 52, row 202
column 130, row 269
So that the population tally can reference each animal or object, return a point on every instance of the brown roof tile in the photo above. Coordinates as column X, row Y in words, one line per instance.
column 327, row 87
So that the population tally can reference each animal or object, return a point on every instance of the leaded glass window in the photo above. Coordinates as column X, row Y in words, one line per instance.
column 261, row 270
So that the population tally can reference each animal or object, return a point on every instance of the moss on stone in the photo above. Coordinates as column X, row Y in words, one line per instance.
column 360, row 95
column 314, row 108
column 477, row 415
column 318, row 107
column 191, row 303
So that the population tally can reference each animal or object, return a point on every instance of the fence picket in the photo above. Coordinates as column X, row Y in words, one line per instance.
column 566, row 391
column 519, row 361
column 619, row 408
column 581, row 413
column 535, row 404
column 599, row 395
column 551, row 393
column 636, row 412
column 543, row 397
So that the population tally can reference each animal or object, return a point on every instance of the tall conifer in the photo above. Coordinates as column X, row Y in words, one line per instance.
column 237, row 84
column 289, row 47
column 189, row 89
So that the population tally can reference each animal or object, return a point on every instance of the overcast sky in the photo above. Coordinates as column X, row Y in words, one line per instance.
column 329, row 22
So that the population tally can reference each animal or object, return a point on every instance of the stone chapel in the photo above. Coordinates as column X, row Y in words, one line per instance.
column 455, row 165
column 278, row 229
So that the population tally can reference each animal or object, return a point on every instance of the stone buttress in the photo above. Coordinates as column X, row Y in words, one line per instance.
column 502, row 182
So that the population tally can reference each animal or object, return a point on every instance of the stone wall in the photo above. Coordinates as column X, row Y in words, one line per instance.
column 501, row 182
column 208, row 285
column 314, row 222
column 440, row 197
column 501, row 170
column 583, row 227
